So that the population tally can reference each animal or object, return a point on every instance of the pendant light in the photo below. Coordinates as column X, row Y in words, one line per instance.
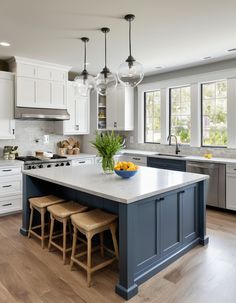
column 84, row 80
column 130, row 73
column 105, row 80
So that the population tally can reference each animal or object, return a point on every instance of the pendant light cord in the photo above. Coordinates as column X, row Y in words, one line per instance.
column 85, row 55
column 130, row 37
column 105, row 50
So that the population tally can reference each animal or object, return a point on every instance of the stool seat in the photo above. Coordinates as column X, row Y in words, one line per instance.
column 93, row 219
column 66, row 209
column 42, row 202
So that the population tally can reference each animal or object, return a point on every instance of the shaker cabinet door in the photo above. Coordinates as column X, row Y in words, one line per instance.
column 26, row 92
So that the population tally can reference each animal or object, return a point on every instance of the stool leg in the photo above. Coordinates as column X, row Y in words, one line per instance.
column 113, row 233
column 31, row 220
column 73, row 247
column 64, row 240
column 89, row 238
column 101, row 244
column 43, row 211
column 51, row 232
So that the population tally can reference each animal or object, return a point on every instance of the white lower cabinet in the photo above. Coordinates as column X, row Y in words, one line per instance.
column 10, row 189
column 82, row 161
column 231, row 187
column 136, row 159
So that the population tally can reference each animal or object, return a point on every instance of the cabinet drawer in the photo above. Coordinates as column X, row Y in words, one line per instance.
column 135, row 158
column 231, row 169
column 10, row 187
column 26, row 70
column 86, row 161
column 8, row 171
column 10, row 204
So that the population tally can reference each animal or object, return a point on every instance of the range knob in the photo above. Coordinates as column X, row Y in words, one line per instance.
column 67, row 163
column 62, row 164
column 49, row 165
column 41, row 166
column 57, row 165
column 33, row 167
column 29, row 167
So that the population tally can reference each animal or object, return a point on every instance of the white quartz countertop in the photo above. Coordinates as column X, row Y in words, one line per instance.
column 146, row 183
column 188, row 158
column 10, row 163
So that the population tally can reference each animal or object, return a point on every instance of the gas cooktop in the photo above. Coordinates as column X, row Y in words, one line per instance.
column 31, row 162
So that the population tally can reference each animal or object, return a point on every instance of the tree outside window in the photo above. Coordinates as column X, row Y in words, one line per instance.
column 214, row 113
column 152, row 117
column 180, row 113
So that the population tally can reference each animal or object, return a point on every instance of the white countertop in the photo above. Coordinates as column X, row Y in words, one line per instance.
column 10, row 163
column 188, row 158
column 146, row 183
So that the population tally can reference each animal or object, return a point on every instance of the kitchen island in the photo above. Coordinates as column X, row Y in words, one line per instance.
column 161, row 213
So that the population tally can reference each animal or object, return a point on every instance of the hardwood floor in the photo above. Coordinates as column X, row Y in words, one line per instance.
column 205, row 274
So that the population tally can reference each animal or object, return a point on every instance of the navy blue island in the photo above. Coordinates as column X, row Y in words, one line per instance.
column 162, row 213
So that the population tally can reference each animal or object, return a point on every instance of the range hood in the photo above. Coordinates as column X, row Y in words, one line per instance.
column 29, row 113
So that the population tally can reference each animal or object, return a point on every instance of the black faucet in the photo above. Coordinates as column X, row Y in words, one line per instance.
column 177, row 150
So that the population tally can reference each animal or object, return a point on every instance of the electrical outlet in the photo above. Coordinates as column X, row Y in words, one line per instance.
column 46, row 139
column 131, row 139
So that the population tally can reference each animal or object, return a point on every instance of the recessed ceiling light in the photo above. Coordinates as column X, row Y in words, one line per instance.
column 207, row 58
column 3, row 43
column 231, row 50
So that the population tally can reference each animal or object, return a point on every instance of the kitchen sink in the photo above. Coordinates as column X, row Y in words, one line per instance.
column 170, row 155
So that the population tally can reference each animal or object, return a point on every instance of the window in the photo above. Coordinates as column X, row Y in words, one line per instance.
column 180, row 113
column 152, row 117
column 214, row 113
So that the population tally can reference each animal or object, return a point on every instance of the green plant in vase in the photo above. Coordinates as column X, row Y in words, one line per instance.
column 108, row 144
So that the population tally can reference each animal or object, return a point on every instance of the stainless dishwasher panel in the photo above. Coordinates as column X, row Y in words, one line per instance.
column 216, row 184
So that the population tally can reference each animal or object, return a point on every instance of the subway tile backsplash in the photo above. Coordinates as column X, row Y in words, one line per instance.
column 29, row 137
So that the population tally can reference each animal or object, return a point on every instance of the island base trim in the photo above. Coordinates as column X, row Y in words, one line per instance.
column 204, row 241
column 127, row 293
column 23, row 231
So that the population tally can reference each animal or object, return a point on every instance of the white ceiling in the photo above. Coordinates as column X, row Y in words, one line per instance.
column 166, row 33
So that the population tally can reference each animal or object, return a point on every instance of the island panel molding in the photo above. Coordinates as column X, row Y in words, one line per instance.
column 153, row 231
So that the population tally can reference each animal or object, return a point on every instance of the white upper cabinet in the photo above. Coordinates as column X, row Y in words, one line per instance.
column 7, row 122
column 79, row 110
column 116, row 110
column 40, row 84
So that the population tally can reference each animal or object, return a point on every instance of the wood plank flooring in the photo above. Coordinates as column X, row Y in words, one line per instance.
column 29, row 274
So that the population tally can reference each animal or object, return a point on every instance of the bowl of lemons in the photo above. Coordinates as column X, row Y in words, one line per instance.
column 125, row 169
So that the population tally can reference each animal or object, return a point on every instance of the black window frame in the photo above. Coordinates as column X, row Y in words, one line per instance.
column 170, row 88
column 144, row 125
column 201, row 89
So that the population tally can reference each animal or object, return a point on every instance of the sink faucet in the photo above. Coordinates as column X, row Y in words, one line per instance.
column 177, row 150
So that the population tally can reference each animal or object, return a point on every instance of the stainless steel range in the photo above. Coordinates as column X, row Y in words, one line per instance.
column 31, row 162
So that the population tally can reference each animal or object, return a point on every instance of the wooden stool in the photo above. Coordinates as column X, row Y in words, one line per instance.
column 40, row 204
column 62, row 212
column 91, row 223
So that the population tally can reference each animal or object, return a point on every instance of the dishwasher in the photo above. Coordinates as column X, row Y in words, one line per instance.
column 217, row 181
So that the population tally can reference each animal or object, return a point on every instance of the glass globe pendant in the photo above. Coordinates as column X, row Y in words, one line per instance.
column 105, row 81
column 130, row 73
column 84, row 81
